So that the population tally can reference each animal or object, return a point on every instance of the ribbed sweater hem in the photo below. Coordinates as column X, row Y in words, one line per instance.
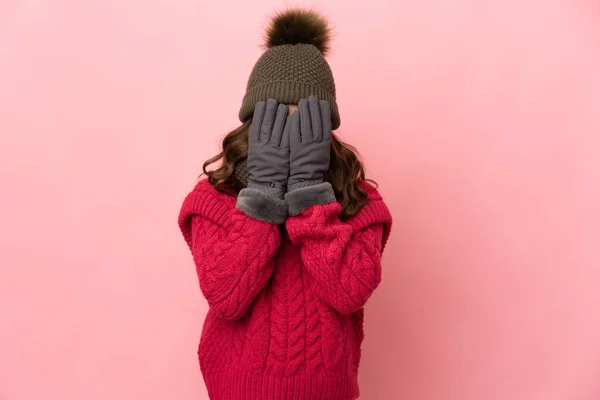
column 239, row 385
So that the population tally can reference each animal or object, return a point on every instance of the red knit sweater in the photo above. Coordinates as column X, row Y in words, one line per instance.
column 286, row 303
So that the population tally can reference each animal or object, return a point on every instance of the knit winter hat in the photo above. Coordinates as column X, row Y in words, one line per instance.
column 293, row 67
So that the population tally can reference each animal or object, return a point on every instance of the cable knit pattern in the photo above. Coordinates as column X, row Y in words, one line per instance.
column 314, row 347
column 279, row 318
column 343, row 258
column 285, row 317
column 297, row 321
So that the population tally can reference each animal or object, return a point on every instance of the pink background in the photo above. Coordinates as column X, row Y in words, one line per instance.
column 479, row 119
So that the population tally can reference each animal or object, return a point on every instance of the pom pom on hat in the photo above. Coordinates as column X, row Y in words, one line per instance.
column 296, row 26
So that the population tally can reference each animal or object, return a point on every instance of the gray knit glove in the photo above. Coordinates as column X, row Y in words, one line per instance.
column 310, row 148
column 268, row 164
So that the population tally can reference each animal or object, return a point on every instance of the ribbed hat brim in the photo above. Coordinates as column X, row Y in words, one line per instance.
column 287, row 92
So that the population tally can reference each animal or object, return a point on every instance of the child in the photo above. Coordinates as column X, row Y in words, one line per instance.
column 286, row 234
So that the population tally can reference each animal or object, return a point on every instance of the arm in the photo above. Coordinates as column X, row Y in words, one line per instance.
column 234, row 253
column 343, row 258
column 234, row 242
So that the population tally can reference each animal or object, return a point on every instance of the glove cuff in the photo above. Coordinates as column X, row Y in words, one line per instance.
column 262, row 206
column 303, row 198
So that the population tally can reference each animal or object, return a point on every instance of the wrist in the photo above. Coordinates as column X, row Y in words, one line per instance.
column 295, row 184
column 271, row 188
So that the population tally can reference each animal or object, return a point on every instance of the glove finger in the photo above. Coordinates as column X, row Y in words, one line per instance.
column 259, row 113
column 278, row 126
column 266, row 128
column 326, row 119
column 315, row 118
column 285, row 139
column 305, row 126
column 295, row 130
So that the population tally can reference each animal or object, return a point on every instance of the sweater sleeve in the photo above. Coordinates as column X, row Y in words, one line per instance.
column 234, row 253
column 343, row 258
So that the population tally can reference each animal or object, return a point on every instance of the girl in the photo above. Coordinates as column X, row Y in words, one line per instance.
column 286, row 234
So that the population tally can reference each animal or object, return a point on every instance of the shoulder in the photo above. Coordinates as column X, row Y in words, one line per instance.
column 206, row 190
column 374, row 212
column 371, row 190
column 204, row 186
column 206, row 201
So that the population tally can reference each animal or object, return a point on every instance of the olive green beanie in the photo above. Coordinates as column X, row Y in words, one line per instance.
column 293, row 67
